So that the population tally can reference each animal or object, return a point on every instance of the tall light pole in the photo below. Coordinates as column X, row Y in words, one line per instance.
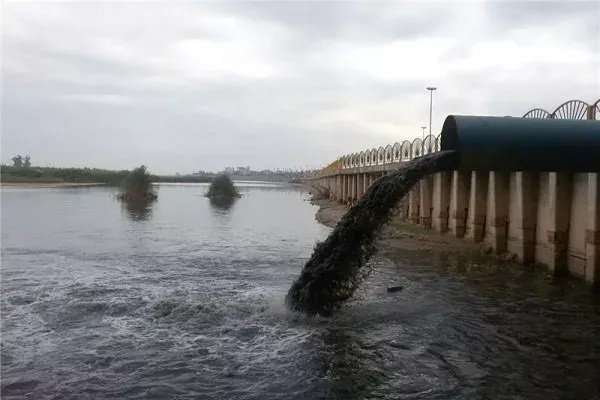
column 431, row 89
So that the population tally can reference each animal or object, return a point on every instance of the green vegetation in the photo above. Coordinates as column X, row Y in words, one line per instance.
column 137, row 186
column 222, row 188
column 24, row 174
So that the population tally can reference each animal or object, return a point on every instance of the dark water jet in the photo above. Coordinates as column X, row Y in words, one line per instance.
column 335, row 268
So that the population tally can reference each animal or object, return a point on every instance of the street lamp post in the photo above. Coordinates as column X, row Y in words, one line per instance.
column 431, row 89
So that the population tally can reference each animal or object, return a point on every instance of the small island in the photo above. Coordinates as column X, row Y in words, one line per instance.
column 137, row 187
column 222, row 189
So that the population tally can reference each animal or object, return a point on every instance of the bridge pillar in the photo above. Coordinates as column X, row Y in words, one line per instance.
column 458, row 202
column 477, row 206
column 425, row 192
column 592, row 245
column 413, row 205
column 361, row 185
column 344, row 197
column 559, row 207
column 365, row 183
column 348, row 198
column 353, row 188
column 442, row 181
column 522, row 216
column 497, row 211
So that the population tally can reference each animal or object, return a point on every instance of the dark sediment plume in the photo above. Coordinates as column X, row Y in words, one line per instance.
column 334, row 270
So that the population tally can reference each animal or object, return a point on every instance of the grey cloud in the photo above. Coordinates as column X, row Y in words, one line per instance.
column 120, row 107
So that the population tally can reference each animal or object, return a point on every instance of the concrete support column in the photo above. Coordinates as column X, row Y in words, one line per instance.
column 459, row 202
column 477, row 206
column 497, row 214
column 425, row 193
column 338, row 187
column 592, row 239
column 441, row 200
column 361, row 185
column 345, row 190
column 350, row 188
column 525, row 202
column 354, row 188
column 365, row 183
column 413, row 205
column 559, row 207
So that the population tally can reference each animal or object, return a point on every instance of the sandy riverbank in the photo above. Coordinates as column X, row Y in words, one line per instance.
column 411, row 243
column 40, row 185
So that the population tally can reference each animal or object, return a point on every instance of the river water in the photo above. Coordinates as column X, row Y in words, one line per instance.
column 185, row 300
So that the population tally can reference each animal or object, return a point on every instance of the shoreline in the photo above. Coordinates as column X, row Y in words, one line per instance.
column 413, row 244
column 43, row 185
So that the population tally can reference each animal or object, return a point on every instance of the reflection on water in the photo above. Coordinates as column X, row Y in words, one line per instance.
column 137, row 210
column 222, row 203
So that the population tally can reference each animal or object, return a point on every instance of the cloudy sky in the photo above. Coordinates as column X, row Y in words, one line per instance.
column 185, row 86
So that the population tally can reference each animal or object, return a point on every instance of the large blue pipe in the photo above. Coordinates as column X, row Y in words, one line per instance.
column 523, row 144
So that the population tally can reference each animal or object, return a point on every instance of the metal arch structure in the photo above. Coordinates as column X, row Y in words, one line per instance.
column 595, row 110
column 373, row 156
column 438, row 142
column 429, row 145
column 388, row 154
column 537, row 113
column 396, row 150
column 380, row 155
column 417, row 148
column 367, row 157
column 572, row 109
column 361, row 159
column 406, row 150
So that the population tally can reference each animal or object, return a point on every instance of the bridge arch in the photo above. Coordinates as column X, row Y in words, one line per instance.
column 373, row 156
column 380, row 155
column 361, row 159
column 388, row 154
column 429, row 145
column 572, row 109
column 438, row 142
column 595, row 110
column 406, row 149
column 417, row 148
column 367, row 155
column 537, row 113
column 396, row 150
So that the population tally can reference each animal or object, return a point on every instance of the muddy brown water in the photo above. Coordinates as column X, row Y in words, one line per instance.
column 185, row 300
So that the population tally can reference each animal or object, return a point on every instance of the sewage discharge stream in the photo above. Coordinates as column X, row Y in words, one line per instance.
column 335, row 268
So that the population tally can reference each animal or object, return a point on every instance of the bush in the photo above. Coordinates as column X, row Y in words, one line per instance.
column 137, row 186
column 222, row 187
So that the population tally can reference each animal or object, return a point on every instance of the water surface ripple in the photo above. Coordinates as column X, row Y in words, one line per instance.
column 185, row 300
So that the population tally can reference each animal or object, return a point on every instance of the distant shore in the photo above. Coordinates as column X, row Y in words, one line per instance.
column 41, row 185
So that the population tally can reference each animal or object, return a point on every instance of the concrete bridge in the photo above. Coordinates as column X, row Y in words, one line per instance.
column 550, row 218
